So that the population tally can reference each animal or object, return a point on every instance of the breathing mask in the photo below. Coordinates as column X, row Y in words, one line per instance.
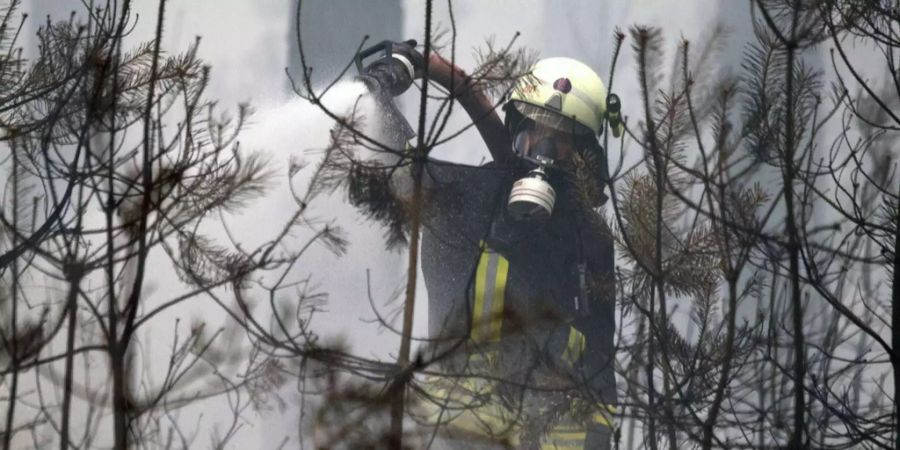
column 540, row 145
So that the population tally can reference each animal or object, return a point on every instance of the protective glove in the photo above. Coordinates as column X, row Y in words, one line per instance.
column 395, row 74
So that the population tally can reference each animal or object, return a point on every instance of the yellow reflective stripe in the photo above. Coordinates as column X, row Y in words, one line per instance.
column 575, row 346
column 565, row 436
column 480, row 281
column 568, row 428
column 499, row 294
column 556, row 442
column 604, row 417
column 568, row 435
column 490, row 291
column 468, row 409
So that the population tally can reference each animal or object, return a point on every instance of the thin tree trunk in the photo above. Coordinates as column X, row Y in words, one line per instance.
column 709, row 426
column 119, row 425
column 71, row 308
column 895, row 326
column 659, row 284
column 121, row 408
column 799, row 366
column 120, row 403
column 398, row 393
column 651, row 386
column 398, row 400
column 732, row 276
column 14, row 313
column 651, row 347
column 793, row 236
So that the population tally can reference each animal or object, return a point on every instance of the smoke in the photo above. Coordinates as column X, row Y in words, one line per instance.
column 297, row 129
column 247, row 43
column 284, row 128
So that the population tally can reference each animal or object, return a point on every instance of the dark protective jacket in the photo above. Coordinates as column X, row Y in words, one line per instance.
column 524, row 310
column 516, row 290
column 508, row 301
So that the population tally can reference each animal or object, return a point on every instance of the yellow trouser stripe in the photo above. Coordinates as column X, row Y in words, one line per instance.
column 490, row 289
column 575, row 346
column 499, row 294
column 568, row 435
column 564, row 440
column 605, row 417
column 480, row 281
column 602, row 419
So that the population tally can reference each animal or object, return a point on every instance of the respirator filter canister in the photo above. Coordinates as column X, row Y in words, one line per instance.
column 532, row 197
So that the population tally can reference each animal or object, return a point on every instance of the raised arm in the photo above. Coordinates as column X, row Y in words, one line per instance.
column 476, row 103
column 394, row 74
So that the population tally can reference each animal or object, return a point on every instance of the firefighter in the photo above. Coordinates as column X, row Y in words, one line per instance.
column 517, row 263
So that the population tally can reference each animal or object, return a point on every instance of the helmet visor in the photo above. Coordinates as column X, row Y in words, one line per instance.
column 543, row 144
column 551, row 119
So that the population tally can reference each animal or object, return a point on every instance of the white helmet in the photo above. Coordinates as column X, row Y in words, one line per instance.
column 567, row 89
column 565, row 104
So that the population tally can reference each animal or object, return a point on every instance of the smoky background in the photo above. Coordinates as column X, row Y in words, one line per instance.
column 252, row 47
